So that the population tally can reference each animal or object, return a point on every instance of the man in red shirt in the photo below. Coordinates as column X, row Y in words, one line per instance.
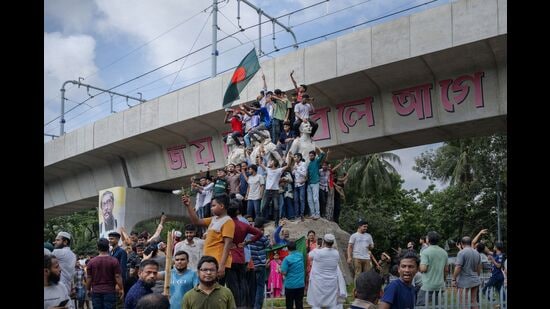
column 236, row 280
column 236, row 125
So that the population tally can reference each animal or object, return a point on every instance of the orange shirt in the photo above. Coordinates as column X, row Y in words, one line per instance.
column 217, row 230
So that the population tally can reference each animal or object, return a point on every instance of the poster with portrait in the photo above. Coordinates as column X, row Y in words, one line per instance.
column 112, row 207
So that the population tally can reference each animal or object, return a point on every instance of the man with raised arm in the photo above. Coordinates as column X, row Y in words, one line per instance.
column 221, row 228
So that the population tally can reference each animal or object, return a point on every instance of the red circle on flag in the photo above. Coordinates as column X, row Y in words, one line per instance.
column 239, row 75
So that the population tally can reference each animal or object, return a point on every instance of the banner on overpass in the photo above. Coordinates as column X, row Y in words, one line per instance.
column 112, row 207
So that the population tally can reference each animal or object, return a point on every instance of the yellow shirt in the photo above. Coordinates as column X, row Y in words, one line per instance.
column 218, row 228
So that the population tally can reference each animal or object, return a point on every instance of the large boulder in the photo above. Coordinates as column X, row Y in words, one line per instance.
column 321, row 227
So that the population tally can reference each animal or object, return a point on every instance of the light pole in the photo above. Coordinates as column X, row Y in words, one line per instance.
column 214, row 37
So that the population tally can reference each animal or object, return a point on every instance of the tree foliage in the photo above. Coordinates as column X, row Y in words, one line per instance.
column 394, row 215
column 84, row 228
column 473, row 167
column 372, row 173
column 82, row 225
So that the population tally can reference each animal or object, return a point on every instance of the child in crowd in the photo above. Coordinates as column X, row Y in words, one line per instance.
column 385, row 262
column 275, row 281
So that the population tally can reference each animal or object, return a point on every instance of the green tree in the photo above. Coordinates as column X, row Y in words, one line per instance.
column 472, row 167
column 395, row 215
column 372, row 173
column 83, row 227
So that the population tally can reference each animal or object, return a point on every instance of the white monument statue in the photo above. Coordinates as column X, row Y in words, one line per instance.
column 304, row 144
column 236, row 153
column 268, row 146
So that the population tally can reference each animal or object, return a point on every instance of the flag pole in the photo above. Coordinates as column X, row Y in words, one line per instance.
column 168, row 266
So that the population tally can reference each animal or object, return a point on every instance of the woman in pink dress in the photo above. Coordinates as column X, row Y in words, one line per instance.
column 275, row 280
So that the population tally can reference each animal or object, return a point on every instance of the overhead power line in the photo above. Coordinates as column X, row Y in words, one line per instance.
column 188, row 54
column 139, row 47
column 252, row 41
column 190, row 49
column 354, row 26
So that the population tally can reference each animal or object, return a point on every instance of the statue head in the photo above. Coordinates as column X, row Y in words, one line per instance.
column 305, row 127
column 230, row 141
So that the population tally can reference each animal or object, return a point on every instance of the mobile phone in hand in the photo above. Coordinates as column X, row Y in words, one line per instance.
column 63, row 303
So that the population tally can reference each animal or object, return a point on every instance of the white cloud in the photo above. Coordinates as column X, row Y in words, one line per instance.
column 72, row 16
column 145, row 21
column 65, row 58
column 114, row 28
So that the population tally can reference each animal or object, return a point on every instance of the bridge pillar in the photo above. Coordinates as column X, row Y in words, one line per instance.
column 142, row 204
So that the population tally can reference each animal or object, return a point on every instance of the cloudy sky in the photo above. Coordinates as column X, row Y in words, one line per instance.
column 108, row 43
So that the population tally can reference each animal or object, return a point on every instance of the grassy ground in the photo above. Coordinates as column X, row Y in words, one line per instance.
column 279, row 302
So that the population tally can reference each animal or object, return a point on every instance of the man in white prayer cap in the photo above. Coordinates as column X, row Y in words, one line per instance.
column 65, row 257
column 323, row 284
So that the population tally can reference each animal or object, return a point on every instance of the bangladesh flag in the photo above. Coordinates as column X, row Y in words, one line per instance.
column 283, row 252
column 242, row 75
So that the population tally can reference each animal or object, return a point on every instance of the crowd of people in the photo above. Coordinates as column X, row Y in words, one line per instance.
column 224, row 259
column 235, row 262
column 274, row 181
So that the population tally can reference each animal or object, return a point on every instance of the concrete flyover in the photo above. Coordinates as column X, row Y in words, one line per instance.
column 428, row 77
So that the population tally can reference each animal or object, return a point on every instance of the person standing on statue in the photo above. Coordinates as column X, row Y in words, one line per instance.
column 313, row 182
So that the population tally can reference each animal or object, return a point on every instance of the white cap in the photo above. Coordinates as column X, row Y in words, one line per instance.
column 177, row 233
column 329, row 238
column 64, row 234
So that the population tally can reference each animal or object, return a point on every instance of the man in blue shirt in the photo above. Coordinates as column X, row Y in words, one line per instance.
column 119, row 253
column 400, row 294
column 496, row 259
column 293, row 268
column 313, row 182
column 148, row 271
column 182, row 279
column 259, row 258
column 277, row 232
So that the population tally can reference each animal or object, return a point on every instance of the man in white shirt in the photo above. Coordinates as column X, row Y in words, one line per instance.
column 66, row 258
column 255, row 191
column 323, row 288
column 271, row 193
column 359, row 245
column 54, row 292
column 204, row 196
column 300, row 177
column 192, row 245
column 301, row 112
